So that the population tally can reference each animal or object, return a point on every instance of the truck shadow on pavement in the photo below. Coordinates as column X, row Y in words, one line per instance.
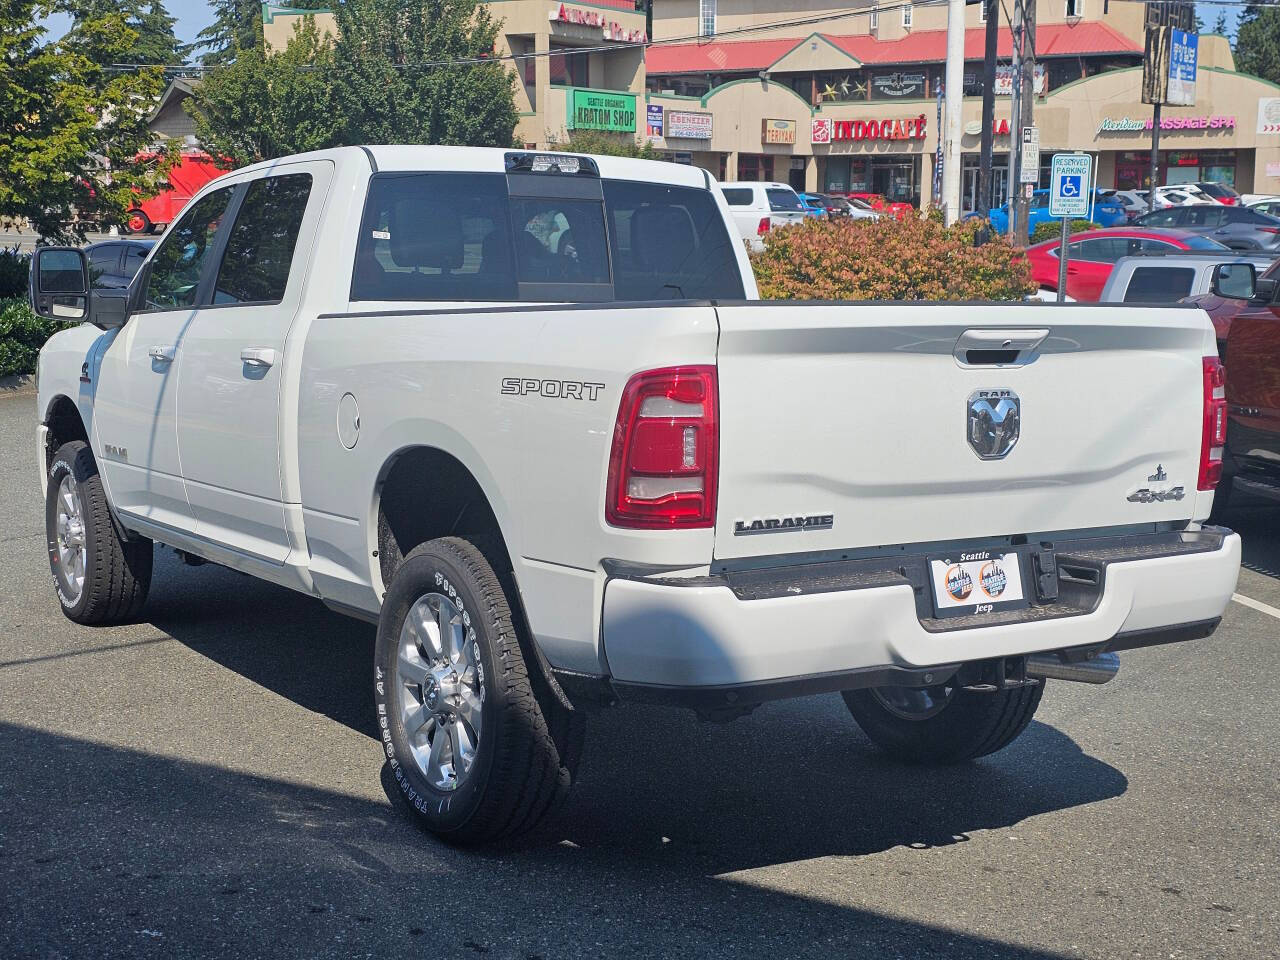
column 795, row 780
column 114, row 852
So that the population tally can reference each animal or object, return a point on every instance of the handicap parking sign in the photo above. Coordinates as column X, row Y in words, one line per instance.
column 1069, row 181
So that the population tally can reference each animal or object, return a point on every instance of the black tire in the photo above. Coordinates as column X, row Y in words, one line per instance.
column 969, row 725
column 529, row 743
column 117, row 573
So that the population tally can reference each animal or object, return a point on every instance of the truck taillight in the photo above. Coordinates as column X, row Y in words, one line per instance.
column 662, row 468
column 1214, row 436
column 763, row 228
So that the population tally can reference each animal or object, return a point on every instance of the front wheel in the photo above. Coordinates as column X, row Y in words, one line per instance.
column 945, row 723
column 137, row 222
column 477, row 752
column 100, row 578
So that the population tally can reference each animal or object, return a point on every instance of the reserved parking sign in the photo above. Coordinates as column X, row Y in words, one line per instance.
column 1069, row 180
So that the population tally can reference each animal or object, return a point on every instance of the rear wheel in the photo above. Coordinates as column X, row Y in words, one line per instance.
column 476, row 751
column 137, row 222
column 99, row 577
column 945, row 723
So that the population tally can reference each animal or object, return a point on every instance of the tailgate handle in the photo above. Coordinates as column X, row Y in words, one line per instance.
column 998, row 348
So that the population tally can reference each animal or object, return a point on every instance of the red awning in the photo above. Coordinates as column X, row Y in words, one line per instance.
column 923, row 46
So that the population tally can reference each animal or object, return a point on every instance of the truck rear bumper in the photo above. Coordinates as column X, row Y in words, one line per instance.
column 717, row 634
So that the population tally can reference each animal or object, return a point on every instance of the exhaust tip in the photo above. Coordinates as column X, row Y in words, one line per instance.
column 1050, row 666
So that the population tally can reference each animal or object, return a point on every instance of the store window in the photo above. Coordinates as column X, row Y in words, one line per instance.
column 1075, row 8
column 569, row 69
column 706, row 18
column 982, row 11
column 753, row 166
column 875, row 20
column 906, row 17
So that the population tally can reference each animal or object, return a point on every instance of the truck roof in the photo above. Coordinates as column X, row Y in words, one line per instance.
column 492, row 160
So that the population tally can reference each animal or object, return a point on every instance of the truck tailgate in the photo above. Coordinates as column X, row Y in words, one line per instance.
column 847, row 426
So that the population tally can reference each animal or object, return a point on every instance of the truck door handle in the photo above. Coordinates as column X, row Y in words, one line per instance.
column 162, row 354
column 258, row 356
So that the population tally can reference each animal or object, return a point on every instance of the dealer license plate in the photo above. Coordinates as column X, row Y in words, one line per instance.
column 976, row 581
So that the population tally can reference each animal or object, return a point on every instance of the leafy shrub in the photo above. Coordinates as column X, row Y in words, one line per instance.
column 14, row 267
column 1052, row 229
column 603, row 143
column 912, row 259
column 22, row 334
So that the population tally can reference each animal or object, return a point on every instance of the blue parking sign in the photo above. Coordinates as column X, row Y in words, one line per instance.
column 1069, row 180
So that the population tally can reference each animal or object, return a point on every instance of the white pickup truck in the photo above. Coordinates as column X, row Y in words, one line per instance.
column 526, row 413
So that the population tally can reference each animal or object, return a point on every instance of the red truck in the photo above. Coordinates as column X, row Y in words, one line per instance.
column 1248, row 329
column 186, row 177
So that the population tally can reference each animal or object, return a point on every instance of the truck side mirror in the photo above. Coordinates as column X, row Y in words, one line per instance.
column 1266, row 291
column 1235, row 281
column 60, row 284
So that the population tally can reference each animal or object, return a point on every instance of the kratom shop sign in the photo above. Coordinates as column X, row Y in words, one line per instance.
column 599, row 110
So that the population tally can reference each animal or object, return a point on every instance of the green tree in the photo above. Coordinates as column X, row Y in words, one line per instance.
column 1258, row 43
column 604, row 143
column 263, row 106
column 72, row 128
column 157, row 43
column 237, row 26
column 1220, row 25
column 396, row 80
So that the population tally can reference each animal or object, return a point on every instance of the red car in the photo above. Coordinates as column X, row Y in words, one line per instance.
column 878, row 203
column 186, row 177
column 1249, row 343
column 1092, row 253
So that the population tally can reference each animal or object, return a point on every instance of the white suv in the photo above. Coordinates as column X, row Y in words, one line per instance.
column 759, row 207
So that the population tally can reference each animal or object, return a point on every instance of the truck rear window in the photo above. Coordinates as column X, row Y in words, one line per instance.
column 460, row 237
column 1159, row 284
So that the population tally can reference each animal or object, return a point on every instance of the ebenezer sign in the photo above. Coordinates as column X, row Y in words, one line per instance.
column 598, row 110
column 830, row 131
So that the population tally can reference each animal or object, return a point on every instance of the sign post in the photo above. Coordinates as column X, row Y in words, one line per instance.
column 1070, row 179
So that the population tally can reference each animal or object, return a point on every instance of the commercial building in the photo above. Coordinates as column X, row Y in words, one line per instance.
column 810, row 92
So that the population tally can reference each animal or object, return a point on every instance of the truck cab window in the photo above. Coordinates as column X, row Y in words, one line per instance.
column 255, row 266
column 177, row 265
column 669, row 243
column 435, row 236
column 559, row 241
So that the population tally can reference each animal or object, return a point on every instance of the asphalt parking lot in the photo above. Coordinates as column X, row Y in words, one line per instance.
column 207, row 783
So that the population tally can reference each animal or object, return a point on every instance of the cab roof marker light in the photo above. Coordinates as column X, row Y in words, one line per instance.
column 553, row 163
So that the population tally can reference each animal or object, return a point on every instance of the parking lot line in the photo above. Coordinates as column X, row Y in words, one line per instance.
column 1257, row 605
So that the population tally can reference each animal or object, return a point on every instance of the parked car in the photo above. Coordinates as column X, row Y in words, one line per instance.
column 555, row 490
column 1270, row 206
column 1220, row 192
column 1240, row 228
column 112, row 263
column 1106, row 212
column 1092, row 253
column 817, row 205
column 1247, row 325
column 1182, row 195
column 879, row 204
column 1168, row 277
column 759, row 207
column 1135, row 202
column 184, row 179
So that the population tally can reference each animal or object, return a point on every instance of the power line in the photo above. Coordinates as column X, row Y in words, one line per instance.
column 570, row 51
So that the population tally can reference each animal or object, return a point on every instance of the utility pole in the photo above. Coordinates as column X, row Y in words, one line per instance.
column 1015, row 121
column 1025, row 80
column 954, row 93
column 1155, row 155
column 986, row 172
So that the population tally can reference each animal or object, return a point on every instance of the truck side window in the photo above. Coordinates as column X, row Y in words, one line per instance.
column 737, row 196
column 435, row 236
column 1159, row 284
column 669, row 243
column 255, row 267
column 176, row 266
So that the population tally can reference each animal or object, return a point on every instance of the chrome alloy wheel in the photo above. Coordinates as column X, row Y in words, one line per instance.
column 69, row 539
column 914, row 703
column 440, row 689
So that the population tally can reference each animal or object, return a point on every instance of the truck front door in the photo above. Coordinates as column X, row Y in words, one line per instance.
column 136, row 393
column 233, row 362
